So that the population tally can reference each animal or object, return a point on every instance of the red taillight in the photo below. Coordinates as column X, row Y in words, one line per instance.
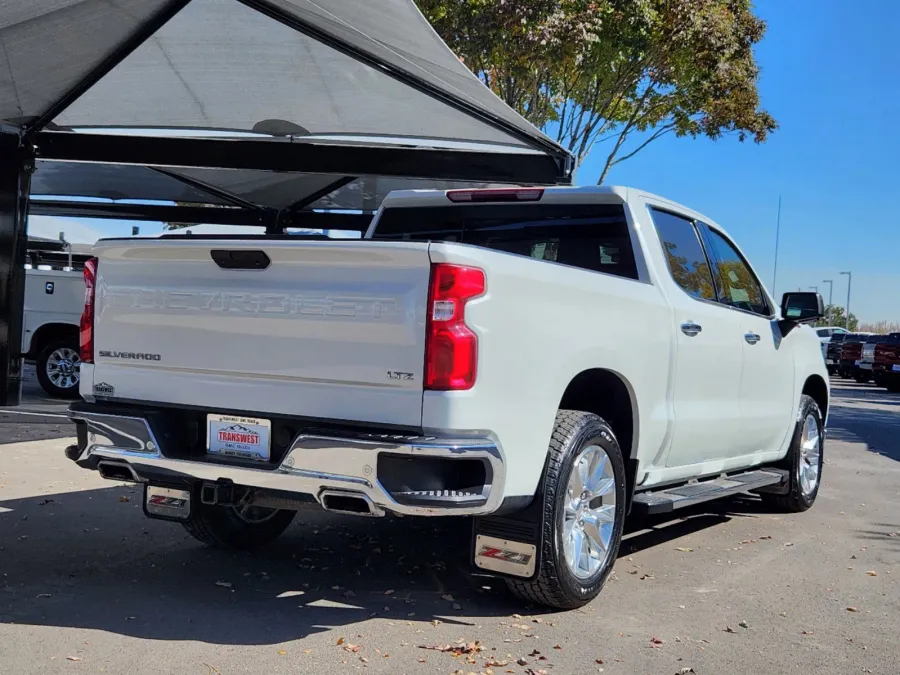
column 451, row 348
column 87, row 315
column 500, row 195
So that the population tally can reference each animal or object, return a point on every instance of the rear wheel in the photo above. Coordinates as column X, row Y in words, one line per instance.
column 59, row 368
column 894, row 387
column 237, row 527
column 804, row 461
column 583, row 511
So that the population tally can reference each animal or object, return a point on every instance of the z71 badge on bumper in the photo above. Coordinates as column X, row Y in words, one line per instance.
column 507, row 557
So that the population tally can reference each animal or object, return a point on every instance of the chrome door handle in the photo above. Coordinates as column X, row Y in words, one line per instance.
column 751, row 338
column 691, row 329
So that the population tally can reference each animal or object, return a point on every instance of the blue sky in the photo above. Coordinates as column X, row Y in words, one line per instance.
column 831, row 77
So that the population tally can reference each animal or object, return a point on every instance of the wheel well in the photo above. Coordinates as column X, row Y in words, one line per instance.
column 816, row 388
column 49, row 332
column 606, row 394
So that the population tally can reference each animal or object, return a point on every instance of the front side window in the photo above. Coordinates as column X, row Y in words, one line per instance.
column 738, row 286
column 684, row 254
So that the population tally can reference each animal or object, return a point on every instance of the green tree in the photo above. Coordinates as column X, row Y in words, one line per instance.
column 617, row 72
column 836, row 316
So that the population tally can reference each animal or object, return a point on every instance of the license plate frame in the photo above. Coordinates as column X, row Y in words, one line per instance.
column 239, row 437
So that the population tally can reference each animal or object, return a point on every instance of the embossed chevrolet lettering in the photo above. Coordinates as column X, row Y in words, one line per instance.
column 255, row 303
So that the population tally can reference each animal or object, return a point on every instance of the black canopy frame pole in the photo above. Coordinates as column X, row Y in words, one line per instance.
column 16, row 166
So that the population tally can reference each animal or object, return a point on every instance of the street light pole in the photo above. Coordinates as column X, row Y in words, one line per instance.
column 830, row 290
column 815, row 288
column 849, row 280
column 777, row 236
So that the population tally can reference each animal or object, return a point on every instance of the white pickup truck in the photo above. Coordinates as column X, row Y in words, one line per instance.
column 547, row 360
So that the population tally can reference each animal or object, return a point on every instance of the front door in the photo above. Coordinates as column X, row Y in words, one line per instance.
column 708, row 358
column 767, row 385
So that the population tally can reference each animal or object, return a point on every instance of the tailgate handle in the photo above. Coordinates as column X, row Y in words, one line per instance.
column 240, row 259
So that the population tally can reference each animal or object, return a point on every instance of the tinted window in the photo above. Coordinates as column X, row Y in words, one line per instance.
column 738, row 286
column 687, row 261
column 592, row 237
column 824, row 332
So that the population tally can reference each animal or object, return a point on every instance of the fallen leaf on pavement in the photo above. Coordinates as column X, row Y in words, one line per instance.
column 656, row 642
column 647, row 576
column 808, row 632
column 534, row 653
column 281, row 652
column 340, row 641
column 788, row 543
column 455, row 605
column 307, row 651
column 389, row 592
column 852, row 609
column 557, row 647
column 435, row 622
column 447, row 597
column 492, row 662
column 457, row 649
column 43, row 595
column 351, row 648
column 729, row 629
column 871, row 573
column 598, row 661
column 74, row 658
column 538, row 620
column 632, row 571
column 521, row 661
column 123, row 498
column 349, row 594
column 765, row 536
column 685, row 671
column 744, row 624
column 684, row 549
column 224, row 584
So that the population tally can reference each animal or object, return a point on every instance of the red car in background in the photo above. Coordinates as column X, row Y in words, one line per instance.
column 886, row 364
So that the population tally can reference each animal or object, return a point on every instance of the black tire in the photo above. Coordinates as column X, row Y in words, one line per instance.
column 861, row 378
column 224, row 527
column 43, row 376
column 796, row 500
column 555, row 585
column 893, row 387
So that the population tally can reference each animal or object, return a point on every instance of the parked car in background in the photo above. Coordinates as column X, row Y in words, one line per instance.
column 886, row 363
column 825, row 334
column 868, row 357
column 833, row 352
column 54, row 299
column 851, row 354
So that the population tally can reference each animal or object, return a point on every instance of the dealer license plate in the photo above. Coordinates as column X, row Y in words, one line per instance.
column 235, row 436
column 856, row 363
column 896, row 368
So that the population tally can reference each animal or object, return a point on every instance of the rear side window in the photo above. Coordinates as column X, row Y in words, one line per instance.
column 592, row 237
column 824, row 332
column 687, row 261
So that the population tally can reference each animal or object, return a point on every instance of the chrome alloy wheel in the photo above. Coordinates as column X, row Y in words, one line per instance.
column 810, row 455
column 64, row 368
column 590, row 512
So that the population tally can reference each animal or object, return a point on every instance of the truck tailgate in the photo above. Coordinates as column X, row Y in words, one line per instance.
column 330, row 330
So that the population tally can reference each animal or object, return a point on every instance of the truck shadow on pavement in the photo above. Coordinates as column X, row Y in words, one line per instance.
column 878, row 429
column 91, row 560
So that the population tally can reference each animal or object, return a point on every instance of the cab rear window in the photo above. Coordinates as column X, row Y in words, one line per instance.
column 592, row 237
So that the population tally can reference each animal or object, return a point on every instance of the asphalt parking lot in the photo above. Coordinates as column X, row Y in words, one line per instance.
column 88, row 585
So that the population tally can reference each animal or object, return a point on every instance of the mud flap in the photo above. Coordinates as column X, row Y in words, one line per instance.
column 509, row 546
column 164, row 503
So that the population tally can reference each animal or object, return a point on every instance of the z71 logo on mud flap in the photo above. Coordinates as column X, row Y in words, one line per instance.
column 515, row 558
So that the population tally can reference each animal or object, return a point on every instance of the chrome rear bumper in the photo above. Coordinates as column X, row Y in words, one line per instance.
column 311, row 465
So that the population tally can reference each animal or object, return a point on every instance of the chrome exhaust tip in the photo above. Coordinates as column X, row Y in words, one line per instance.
column 118, row 471
column 351, row 503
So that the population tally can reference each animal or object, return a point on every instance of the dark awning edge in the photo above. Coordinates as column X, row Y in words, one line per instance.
column 307, row 156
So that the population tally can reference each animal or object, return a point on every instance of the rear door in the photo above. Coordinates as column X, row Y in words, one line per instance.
column 708, row 359
column 767, row 383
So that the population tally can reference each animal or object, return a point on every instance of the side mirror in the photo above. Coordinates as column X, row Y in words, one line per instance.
column 802, row 307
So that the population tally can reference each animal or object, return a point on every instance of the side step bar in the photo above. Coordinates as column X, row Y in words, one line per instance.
column 666, row 500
